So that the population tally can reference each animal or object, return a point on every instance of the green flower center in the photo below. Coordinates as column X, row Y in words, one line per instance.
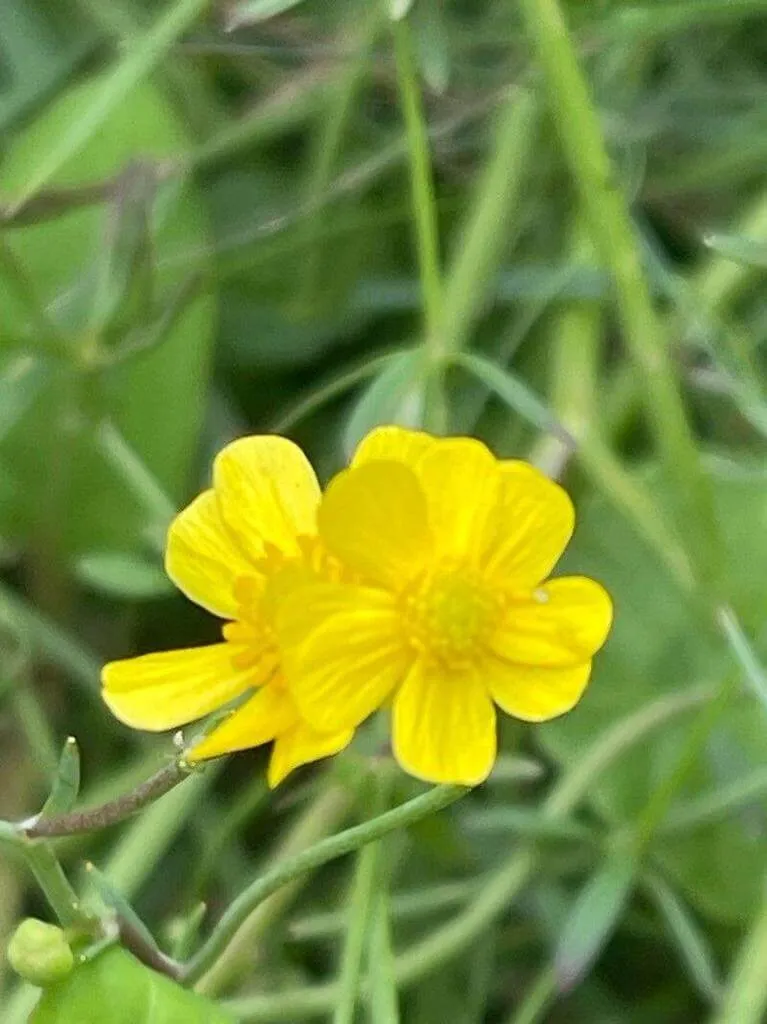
column 449, row 614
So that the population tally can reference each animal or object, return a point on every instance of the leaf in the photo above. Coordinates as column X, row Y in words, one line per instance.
column 114, row 988
column 690, row 940
column 395, row 396
column 592, row 919
column 515, row 393
column 140, row 59
column 750, row 252
column 66, row 784
column 432, row 43
column 657, row 648
column 253, row 11
column 123, row 575
column 156, row 401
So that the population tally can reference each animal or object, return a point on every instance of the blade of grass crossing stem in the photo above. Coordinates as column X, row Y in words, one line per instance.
column 606, row 208
column 745, row 1000
column 485, row 235
column 383, row 1005
column 515, row 393
column 366, row 877
column 141, row 57
column 689, row 939
column 597, row 910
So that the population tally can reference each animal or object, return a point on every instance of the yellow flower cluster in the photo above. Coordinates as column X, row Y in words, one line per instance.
column 420, row 579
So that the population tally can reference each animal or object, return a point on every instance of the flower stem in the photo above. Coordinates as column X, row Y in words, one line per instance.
column 50, row 877
column 112, row 812
column 422, row 186
column 321, row 853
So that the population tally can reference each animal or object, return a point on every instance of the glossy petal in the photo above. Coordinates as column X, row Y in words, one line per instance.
column 202, row 559
column 536, row 694
column 444, row 726
column 374, row 520
column 268, row 713
column 461, row 480
column 168, row 689
column 533, row 524
column 562, row 624
column 394, row 444
column 267, row 493
column 302, row 745
column 342, row 652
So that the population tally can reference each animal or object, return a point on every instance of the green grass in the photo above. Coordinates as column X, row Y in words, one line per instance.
column 542, row 223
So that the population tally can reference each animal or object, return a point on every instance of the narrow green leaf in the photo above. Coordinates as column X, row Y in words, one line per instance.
column 114, row 899
column 515, row 393
column 750, row 252
column 383, row 1005
column 432, row 43
column 20, row 383
column 141, row 57
column 253, row 11
column 114, row 988
column 395, row 396
column 66, row 783
column 690, row 940
column 593, row 918
column 123, row 575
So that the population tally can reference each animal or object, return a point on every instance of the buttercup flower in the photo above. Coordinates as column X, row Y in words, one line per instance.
column 454, row 612
column 257, row 524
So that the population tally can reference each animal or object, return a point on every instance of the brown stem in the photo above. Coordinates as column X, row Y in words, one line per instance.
column 110, row 813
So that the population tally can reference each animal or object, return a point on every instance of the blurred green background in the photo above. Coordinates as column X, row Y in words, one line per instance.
column 207, row 228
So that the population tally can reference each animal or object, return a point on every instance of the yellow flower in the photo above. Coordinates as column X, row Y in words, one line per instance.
column 452, row 613
column 256, row 525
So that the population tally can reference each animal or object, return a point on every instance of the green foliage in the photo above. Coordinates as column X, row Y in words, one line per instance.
column 214, row 221
column 114, row 988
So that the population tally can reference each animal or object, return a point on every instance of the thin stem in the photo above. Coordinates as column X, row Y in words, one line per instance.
column 615, row 238
column 50, row 877
column 363, row 897
column 110, row 813
column 323, row 816
column 314, row 857
column 422, row 185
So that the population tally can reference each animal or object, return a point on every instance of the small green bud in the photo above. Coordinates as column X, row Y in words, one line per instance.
column 40, row 953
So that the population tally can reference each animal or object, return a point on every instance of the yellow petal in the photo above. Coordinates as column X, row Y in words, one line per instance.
column 267, row 714
column 267, row 493
column 394, row 444
column 302, row 745
column 202, row 559
column 533, row 525
column 461, row 480
column 444, row 726
column 168, row 689
column 563, row 623
column 374, row 520
column 342, row 653
column 536, row 694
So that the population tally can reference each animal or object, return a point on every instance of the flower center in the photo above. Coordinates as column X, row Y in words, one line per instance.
column 449, row 613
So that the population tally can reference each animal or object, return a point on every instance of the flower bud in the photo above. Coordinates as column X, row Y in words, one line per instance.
column 40, row 953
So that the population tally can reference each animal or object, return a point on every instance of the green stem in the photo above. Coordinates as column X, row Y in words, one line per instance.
column 50, row 877
column 322, row 817
column 422, row 186
column 500, row 887
column 363, row 896
column 615, row 239
column 308, row 860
